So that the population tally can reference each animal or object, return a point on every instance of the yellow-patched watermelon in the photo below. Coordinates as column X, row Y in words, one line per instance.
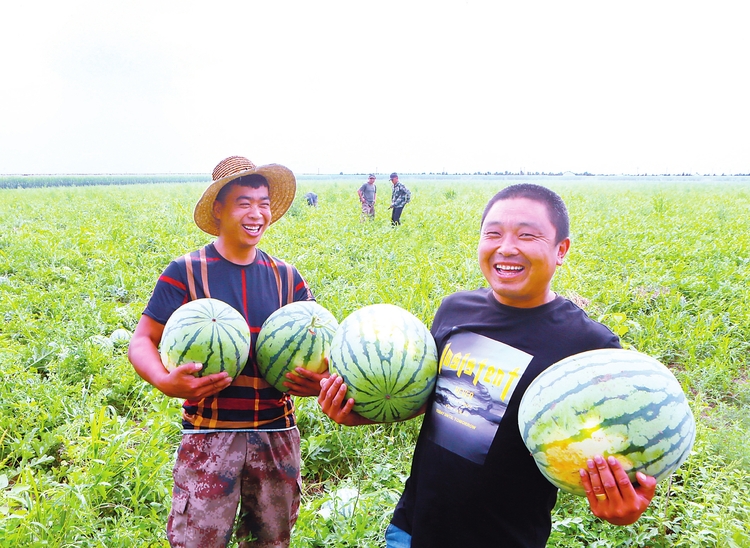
column 606, row 402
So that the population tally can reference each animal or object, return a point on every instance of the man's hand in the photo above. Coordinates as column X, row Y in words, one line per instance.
column 303, row 382
column 333, row 402
column 180, row 383
column 611, row 495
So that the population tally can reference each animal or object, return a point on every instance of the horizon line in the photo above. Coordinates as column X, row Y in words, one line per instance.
column 566, row 173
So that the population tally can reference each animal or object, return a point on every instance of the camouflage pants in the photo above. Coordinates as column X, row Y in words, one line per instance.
column 217, row 471
column 368, row 211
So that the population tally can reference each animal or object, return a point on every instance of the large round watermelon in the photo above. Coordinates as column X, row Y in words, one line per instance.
column 296, row 335
column 206, row 331
column 388, row 360
column 606, row 402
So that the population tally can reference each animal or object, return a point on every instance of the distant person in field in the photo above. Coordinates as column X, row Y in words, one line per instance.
column 367, row 194
column 312, row 199
column 240, row 445
column 399, row 198
column 481, row 487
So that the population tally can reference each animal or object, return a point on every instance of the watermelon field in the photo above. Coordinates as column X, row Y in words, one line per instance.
column 86, row 447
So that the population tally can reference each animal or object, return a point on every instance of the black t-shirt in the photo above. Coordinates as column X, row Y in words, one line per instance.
column 473, row 483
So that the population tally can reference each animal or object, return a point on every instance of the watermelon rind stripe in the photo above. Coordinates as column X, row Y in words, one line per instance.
column 297, row 334
column 207, row 331
column 384, row 353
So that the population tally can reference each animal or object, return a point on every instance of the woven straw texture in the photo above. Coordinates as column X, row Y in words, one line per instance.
column 230, row 166
column 282, row 187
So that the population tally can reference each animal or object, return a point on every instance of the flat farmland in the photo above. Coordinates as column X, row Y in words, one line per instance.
column 86, row 447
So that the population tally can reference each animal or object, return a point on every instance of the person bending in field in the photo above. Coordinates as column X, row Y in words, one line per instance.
column 399, row 198
column 367, row 194
column 240, row 444
column 479, row 486
column 312, row 199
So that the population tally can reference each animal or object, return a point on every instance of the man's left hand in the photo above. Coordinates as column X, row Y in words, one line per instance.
column 611, row 495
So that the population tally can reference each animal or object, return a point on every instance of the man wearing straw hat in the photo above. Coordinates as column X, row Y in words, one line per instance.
column 240, row 443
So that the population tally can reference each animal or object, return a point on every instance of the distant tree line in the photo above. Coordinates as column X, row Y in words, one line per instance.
column 41, row 181
column 586, row 174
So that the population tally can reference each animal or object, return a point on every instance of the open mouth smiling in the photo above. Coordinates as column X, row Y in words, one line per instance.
column 252, row 229
column 508, row 269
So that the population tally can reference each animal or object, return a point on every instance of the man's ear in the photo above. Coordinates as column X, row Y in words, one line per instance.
column 562, row 249
column 216, row 210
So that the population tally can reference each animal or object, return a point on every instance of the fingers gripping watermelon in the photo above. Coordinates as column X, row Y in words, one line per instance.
column 606, row 402
column 206, row 331
column 298, row 334
column 388, row 360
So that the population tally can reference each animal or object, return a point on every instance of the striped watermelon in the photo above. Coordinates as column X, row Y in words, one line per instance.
column 206, row 331
column 606, row 402
column 296, row 335
column 388, row 360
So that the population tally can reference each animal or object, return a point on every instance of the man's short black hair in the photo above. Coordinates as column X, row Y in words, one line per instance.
column 254, row 180
column 558, row 213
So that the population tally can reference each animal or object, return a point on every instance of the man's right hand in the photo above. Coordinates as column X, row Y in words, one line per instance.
column 180, row 383
column 333, row 402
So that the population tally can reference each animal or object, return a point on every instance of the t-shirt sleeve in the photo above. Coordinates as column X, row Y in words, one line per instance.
column 301, row 289
column 440, row 328
column 169, row 294
column 610, row 340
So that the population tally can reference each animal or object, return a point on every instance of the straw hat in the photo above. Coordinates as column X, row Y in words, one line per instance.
column 281, row 189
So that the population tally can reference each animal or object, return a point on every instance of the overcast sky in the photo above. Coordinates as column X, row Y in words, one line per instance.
column 324, row 87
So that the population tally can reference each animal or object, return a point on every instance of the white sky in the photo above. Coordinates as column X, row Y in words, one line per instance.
column 324, row 86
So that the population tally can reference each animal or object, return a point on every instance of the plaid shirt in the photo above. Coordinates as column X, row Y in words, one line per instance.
column 401, row 195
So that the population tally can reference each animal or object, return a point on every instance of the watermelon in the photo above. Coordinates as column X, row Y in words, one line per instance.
column 120, row 337
column 206, row 331
column 388, row 360
column 103, row 343
column 296, row 335
column 606, row 402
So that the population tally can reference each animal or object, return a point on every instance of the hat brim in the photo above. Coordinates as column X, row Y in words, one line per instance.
column 282, row 187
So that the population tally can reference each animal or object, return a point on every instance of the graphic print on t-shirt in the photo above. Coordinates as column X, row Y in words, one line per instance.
column 476, row 379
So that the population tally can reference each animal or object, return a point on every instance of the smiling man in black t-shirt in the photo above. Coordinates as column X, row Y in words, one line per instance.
column 473, row 482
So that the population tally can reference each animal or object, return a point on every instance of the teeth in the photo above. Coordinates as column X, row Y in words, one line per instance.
column 251, row 228
column 508, row 268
